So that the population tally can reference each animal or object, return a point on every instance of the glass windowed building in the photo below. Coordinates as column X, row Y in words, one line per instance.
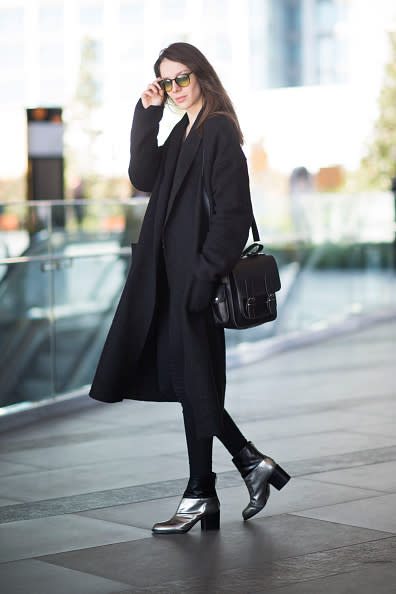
column 256, row 46
column 284, row 42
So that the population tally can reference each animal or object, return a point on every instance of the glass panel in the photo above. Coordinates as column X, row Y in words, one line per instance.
column 131, row 13
column 89, row 277
column 11, row 20
column 25, row 333
column 326, row 13
column 340, row 264
column 98, row 227
column 173, row 9
column 336, row 255
column 86, row 293
column 25, row 299
column 326, row 59
column 51, row 18
column 91, row 14
column 24, row 229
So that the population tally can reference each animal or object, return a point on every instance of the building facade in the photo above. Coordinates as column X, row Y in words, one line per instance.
column 48, row 48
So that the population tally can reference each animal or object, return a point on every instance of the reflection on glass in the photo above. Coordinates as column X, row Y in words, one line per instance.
column 86, row 293
column 56, row 308
column 24, row 229
column 25, row 334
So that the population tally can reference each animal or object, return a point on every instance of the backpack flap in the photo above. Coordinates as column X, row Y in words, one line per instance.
column 255, row 280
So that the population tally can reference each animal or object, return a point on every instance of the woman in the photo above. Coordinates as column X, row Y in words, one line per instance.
column 163, row 344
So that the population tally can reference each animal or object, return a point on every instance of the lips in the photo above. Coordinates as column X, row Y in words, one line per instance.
column 180, row 99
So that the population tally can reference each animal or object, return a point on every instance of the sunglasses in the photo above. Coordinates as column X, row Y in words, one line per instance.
column 182, row 80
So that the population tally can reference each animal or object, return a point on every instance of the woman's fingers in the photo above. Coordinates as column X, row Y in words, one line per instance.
column 153, row 95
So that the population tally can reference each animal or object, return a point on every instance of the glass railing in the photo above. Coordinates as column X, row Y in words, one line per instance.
column 63, row 266
column 337, row 254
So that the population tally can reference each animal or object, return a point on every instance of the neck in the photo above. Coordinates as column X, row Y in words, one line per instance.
column 193, row 112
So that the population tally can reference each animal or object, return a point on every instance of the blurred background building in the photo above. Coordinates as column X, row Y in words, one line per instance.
column 299, row 71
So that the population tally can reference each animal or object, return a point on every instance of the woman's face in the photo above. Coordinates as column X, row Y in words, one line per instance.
column 187, row 98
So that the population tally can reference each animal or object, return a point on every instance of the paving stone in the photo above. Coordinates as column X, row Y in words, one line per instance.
column 97, row 451
column 36, row 577
column 351, row 570
column 376, row 513
column 31, row 538
column 242, row 548
column 7, row 502
column 88, row 478
column 380, row 476
column 325, row 412
column 298, row 494
column 12, row 468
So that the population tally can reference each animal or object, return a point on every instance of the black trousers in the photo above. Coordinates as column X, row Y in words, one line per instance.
column 170, row 379
column 200, row 450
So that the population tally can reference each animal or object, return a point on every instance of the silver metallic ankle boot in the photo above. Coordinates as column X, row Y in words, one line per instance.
column 258, row 471
column 189, row 512
column 199, row 503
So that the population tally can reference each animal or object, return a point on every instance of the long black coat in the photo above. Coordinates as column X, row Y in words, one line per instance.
column 196, row 251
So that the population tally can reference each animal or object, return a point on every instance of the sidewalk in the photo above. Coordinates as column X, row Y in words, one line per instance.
column 79, row 493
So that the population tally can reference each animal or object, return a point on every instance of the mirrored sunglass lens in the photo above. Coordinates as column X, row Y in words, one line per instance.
column 183, row 80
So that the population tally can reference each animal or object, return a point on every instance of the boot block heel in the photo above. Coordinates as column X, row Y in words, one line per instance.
column 279, row 477
column 211, row 521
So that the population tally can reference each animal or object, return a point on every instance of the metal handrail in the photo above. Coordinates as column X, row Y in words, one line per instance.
column 137, row 201
column 55, row 256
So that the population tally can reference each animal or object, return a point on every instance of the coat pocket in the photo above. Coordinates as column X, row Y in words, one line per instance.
column 200, row 295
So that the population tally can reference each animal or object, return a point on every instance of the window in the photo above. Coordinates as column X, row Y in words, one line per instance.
column 217, row 10
column 131, row 13
column 91, row 14
column 326, row 58
column 51, row 18
column 173, row 9
column 11, row 20
column 325, row 14
column 11, row 55
column 292, row 16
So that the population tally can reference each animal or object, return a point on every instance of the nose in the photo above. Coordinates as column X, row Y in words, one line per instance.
column 175, row 87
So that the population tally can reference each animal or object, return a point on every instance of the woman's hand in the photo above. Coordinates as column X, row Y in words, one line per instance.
column 153, row 95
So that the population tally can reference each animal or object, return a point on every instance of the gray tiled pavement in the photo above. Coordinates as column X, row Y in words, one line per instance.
column 79, row 493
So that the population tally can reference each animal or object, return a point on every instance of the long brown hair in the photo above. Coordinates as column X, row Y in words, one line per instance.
column 215, row 97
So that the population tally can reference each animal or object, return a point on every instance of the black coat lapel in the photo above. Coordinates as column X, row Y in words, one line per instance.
column 188, row 150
